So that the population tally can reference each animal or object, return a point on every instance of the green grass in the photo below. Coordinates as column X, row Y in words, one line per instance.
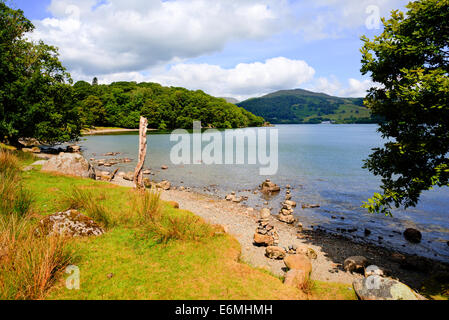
column 166, row 253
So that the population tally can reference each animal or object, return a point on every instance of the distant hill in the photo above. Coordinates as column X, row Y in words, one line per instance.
column 231, row 100
column 302, row 106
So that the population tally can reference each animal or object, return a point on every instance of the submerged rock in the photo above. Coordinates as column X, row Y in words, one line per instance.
column 70, row 223
column 413, row 235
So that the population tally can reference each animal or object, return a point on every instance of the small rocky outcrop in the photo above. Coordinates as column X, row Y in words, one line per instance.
column 274, row 252
column 233, row 197
column 70, row 223
column 72, row 164
column 355, row 264
column 413, row 235
column 265, row 234
column 269, row 187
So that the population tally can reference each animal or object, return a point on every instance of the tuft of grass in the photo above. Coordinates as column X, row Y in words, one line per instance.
column 83, row 199
column 29, row 265
column 15, row 199
column 147, row 204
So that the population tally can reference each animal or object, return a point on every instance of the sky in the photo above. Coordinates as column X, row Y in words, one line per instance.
column 227, row 48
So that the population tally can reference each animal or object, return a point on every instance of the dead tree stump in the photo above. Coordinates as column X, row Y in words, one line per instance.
column 138, row 173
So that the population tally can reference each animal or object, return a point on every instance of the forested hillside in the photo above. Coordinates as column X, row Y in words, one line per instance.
column 120, row 104
column 301, row 106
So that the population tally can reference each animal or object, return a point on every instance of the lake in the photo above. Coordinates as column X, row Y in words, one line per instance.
column 323, row 164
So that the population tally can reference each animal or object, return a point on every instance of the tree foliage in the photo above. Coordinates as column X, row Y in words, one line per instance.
column 35, row 93
column 410, row 62
column 120, row 104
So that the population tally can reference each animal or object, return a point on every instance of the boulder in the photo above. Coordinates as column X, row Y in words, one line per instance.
column 295, row 278
column 274, row 252
column 378, row 288
column 70, row 223
column 263, row 240
column 355, row 263
column 72, row 164
column 413, row 235
column 298, row 262
column 164, row 167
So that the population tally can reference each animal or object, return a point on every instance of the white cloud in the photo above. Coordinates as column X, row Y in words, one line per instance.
column 129, row 35
column 332, row 86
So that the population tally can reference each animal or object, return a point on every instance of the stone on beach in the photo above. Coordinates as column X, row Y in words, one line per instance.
column 276, row 253
column 310, row 206
column 355, row 264
column 269, row 187
column 263, row 239
column 265, row 213
column 298, row 262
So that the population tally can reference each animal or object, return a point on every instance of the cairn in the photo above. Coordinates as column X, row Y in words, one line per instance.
column 269, row 187
column 265, row 234
column 286, row 212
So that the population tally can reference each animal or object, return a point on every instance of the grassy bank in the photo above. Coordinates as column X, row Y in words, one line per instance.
column 150, row 250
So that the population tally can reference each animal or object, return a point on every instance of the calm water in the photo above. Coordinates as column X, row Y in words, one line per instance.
column 323, row 165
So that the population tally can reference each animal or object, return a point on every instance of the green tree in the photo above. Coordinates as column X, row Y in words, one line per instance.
column 36, row 99
column 410, row 62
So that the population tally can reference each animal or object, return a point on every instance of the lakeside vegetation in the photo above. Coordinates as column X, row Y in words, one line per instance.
column 150, row 250
column 302, row 106
column 120, row 104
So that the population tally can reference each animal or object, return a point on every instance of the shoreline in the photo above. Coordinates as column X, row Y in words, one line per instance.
column 104, row 131
column 241, row 222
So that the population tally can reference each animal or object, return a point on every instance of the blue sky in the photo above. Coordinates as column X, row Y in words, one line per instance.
column 232, row 48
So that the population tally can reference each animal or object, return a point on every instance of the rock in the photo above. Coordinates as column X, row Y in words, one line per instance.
column 298, row 262
column 295, row 278
column 182, row 188
column 220, row 229
column 311, row 254
column 367, row 232
column 373, row 270
column 164, row 167
column 290, row 203
column 237, row 200
column 121, row 174
column 110, row 275
column 355, row 263
column 164, row 185
column 310, row 206
column 70, row 164
column 263, row 240
column 265, row 213
column 129, row 176
column 70, row 223
column 173, row 204
column 268, row 187
column 146, row 172
column 288, row 186
column 276, row 253
column 378, row 288
column 230, row 197
column 288, row 197
column 413, row 235
column 289, row 219
column 73, row 148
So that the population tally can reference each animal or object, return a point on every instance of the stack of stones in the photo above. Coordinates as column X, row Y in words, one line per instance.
column 269, row 187
column 266, row 234
column 286, row 213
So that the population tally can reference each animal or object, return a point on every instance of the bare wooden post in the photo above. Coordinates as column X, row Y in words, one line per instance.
column 138, row 173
